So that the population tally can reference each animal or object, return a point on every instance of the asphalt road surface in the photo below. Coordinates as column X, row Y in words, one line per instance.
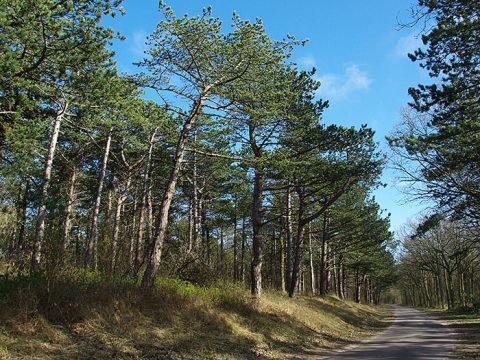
column 413, row 335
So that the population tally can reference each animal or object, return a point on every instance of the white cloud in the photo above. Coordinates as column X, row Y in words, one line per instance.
column 137, row 45
column 307, row 61
column 408, row 44
column 337, row 87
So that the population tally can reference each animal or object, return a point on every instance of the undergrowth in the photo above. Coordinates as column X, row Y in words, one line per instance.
column 81, row 314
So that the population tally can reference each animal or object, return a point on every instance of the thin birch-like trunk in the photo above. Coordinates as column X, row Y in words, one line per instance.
column 47, row 176
column 67, row 225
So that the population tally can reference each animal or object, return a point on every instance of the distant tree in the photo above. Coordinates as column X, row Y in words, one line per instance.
column 440, row 264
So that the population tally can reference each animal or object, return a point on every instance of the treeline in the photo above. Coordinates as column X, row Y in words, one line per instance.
column 437, row 150
column 441, row 265
column 229, row 175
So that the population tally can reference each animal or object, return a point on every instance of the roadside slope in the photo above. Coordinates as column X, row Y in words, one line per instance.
column 83, row 315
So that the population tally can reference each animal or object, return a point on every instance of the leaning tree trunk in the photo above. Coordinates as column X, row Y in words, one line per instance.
column 154, row 256
column 91, row 253
column 47, row 175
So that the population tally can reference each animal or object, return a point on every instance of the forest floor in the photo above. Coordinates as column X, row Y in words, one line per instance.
column 466, row 327
column 82, row 315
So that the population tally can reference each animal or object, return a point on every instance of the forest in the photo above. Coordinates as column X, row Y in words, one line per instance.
column 230, row 175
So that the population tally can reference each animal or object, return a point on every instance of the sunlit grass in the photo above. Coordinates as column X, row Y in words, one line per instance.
column 81, row 314
column 466, row 326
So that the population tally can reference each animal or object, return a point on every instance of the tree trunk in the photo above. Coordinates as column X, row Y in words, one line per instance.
column 235, row 243
column 257, row 245
column 78, row 258
column 298, row 254
column 328, row 267
column 257, row 226
column 191, row 205
column 242, row 256
column 272, row 261
column 208, row 245
column 323, row 255
column 282, row 264
column 357, row 285
column 133, row 238
column 312, row 269
column 206, row 237
column 221, row 253
column 67, row 225
column 451, row 293
column 154, row 256
column 22, row 214
column 122, row 196
column 91, row 252
column 341, row 277
column 196, row 213
column 47, row 176
column 335, row 268
column 289, row 229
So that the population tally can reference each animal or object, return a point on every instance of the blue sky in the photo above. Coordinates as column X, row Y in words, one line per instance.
column 356, row 47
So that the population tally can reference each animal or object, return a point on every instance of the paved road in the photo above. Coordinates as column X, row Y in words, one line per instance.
column 413, row 335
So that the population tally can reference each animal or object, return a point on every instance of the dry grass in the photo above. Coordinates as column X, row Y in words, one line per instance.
column 467, row 329
column 84, row 316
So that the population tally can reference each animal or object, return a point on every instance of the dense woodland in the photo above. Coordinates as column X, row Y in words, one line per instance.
column 230, row 173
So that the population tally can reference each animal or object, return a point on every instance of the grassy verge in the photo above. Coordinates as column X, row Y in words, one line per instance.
column 467, row 329
column 82, row 315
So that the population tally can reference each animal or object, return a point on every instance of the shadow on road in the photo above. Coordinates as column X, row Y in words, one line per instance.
column 413, row 335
